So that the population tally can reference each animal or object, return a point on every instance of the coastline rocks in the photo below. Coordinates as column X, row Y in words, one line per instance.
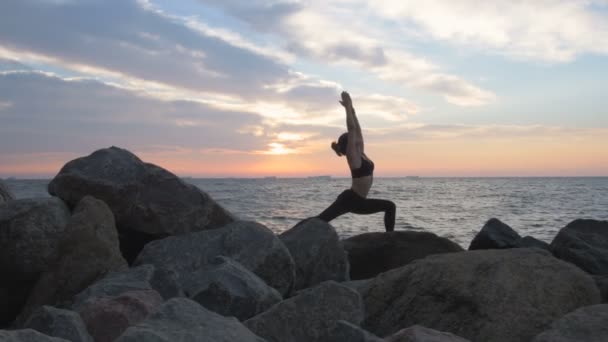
column 58, row 323
column 317, row 252
column 370, row 254
column 345, row 331
column 531, row 242
column 27, row 335
column 309, row 316
column 251, row 244
column 228, row 288
column 492, row 295
column 418, row 333
column 602, row 284
column 585, row 244
column 89, row 250
column 5, row 193
column 181, row 319
column 587, row 324
column 495, row 235
column 148, row 201
column 107, row 318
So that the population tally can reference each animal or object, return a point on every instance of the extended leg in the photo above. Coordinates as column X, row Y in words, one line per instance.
column 371, row 206
column 340, row 207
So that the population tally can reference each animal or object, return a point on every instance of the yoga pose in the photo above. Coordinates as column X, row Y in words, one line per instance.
column 354, row 200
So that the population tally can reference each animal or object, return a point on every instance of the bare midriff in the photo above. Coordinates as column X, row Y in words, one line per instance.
column 362, row 185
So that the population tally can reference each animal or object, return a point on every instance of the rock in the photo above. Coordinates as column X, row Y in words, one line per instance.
column 531, row 242
column 228, row 288
column 251, row 244
column 30, row 231
column 345, row 331
column 370, row 254
column 61, row 323
column 602, row 284
column 309, row 316
column 89, row 250
column 585, row 244
column 27, row 335
column 5, row 193
column 418, row 333
column 107, row 318
column 181, row 319
column 148, row 202
column 317, row 252
column 491, row 295
column 495, row 235
column 588, row 324
column 117, row 283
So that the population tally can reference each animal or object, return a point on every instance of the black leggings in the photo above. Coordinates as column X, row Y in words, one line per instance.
column 350, row 202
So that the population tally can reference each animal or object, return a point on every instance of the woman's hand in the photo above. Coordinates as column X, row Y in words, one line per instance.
column 346, row 101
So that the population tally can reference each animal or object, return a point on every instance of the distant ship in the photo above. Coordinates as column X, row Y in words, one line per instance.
column 271, row 177
column 320, row 177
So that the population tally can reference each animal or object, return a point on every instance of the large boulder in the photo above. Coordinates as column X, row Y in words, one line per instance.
column 370, row 254
column 491, row 295
column 58, row 323
column 588, row 324
column 495, row 235
column 251, row 244
column 5, row 193
column 317, row 251
column 27, row 335
column 309, row 316
column 419, row 333
column 531, row 242
column 602, row 284
column 228, row 288
column 181, row 319
column 585, row 244
column 345, row 331
column 30, row 231
column 148, row 201
column 88, row 251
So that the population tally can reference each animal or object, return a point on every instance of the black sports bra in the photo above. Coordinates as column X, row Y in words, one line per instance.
column 366, row 169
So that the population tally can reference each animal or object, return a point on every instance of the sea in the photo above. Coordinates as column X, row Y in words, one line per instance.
column 455, row 208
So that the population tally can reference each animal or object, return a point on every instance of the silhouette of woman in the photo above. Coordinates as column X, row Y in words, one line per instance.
column 354, row 200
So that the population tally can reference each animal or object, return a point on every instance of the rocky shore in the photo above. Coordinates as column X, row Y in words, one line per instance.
column 126, row 251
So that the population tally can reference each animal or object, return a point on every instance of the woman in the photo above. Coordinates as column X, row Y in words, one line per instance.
column 354, row 200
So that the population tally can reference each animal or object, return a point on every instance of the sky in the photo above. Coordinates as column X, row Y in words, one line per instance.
column 235, row 88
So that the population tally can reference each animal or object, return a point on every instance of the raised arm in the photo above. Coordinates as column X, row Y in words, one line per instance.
column 354, row 149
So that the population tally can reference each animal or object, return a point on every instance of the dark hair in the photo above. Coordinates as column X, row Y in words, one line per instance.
column 341, row 145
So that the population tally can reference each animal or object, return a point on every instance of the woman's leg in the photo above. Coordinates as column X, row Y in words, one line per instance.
column 371, row 206
column 342, row 205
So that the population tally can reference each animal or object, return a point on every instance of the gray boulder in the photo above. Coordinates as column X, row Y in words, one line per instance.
column 492, row 295
column 585, row 244
column 309, row 316
column 181, row 319
column 419, row 333
column 317, row 252
column 251, row 244
column 148, row 201
column 531, row 242
column 88, row 251
column 58, row 323
column 345, row 331
column 588, row 324
column 495, row 235
column 27, row 335
column 602, row 284
column 228, row 288
column 30, row 231
column 370, row 254
column 5, row 193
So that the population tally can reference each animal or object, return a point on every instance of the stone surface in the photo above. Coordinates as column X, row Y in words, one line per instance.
column 181, row 319
column 419, row 333
column 58, row 323
column 148, row 201
column 317, row 252
column 345, row 331
column 588, row 324
column 88, row 251
column 251, row 244
column 531, row 242
column 602, row 284
column 585, row 244
column 27, row 335
column 107, row 318
column 30, row 231
column 5, row 193
column 370, row 254
column 491, row 295
column 495, row 235
column 309, row 316
column 228, row 288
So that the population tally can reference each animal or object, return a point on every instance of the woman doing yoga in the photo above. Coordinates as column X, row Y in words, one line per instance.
column 354, row 200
